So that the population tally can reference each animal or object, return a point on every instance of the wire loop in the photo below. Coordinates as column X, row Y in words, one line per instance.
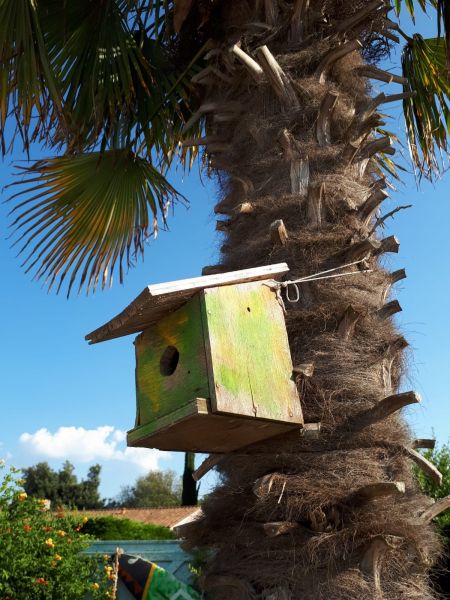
column 297, row 292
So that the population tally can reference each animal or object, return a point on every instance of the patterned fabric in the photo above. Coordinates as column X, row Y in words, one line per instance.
column 146, row 581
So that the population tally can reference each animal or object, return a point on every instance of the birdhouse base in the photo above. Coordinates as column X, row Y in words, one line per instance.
column 195, row 428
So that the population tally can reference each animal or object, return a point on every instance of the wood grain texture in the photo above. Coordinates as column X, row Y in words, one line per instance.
column 159, row 394
column 195, row 428
column 248, row 354
column 157, row 300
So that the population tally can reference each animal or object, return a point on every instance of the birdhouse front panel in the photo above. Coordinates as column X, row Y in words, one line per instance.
column 248, row 353
column 171, row 365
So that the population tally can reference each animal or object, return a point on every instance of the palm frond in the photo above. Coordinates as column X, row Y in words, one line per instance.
column 85, row 216
column 28, row 86
column 427, row 113
column 410, row 6
column 121, row 86
column 442, row 10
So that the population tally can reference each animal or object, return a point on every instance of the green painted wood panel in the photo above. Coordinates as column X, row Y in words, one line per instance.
column 249, row 359
column 159, row 394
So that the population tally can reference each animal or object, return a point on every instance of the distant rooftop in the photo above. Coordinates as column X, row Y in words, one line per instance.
column 167, row 517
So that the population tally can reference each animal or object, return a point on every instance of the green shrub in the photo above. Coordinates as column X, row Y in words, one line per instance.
column 114, row 528
column 440, row 457
column 42, row 552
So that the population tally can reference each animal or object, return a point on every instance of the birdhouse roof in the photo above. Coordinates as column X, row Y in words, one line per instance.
column 155, row 301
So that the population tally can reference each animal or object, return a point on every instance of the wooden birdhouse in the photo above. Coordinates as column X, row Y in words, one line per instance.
column 213, row 366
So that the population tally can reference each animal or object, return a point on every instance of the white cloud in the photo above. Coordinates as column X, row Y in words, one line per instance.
column 87, row 445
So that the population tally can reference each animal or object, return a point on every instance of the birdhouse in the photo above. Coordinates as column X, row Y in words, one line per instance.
column 213, row 366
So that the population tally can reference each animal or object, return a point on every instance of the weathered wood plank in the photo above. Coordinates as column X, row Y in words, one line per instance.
column 248, row 353
column 194, row 428
column 157, row 300
column 171, row 365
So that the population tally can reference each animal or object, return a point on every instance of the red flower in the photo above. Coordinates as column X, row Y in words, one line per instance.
column 27, row 528
column 41, row 581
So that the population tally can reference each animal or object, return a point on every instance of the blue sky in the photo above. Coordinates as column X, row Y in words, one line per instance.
column 51, row 379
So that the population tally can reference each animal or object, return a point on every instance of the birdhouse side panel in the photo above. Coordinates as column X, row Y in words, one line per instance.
column 171, row 365
column 248, row 353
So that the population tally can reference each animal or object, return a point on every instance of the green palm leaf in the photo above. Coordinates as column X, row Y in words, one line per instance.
column 88, row 215
column 113, row 65
column 427, row 113
column 28, row 86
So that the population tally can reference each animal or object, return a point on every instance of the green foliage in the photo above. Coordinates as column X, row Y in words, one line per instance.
column 42, row 553
column 113, row 528
column 62, row 487
column 427, row 113
column 115, row 79
column 440, row 457
column 78, row 216
column 94, row 79
column 157, row 489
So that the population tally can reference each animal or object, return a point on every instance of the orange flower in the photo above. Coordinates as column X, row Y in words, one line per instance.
column 22, row 496
column 47, row 528
column 57, row 557
column 41, row 581
column 60, row 533
column 50, row 543
column 27, row 528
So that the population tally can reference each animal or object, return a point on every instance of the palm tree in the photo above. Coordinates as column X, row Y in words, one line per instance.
column 278, row 93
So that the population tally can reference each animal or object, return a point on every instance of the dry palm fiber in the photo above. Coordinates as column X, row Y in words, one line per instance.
column 273, row 152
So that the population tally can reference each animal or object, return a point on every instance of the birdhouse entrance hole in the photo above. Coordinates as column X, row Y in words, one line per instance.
column 169, row 361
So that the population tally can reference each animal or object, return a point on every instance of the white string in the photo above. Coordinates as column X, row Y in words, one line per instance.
column 314, row 275
column 317, row 277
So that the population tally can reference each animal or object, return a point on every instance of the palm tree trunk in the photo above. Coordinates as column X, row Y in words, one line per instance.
column 290, row 126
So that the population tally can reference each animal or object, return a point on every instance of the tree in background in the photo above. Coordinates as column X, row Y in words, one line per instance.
column 440, row 458
column 278, row 94
column 62, row 487
column 156, row 489
column 190, row 488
